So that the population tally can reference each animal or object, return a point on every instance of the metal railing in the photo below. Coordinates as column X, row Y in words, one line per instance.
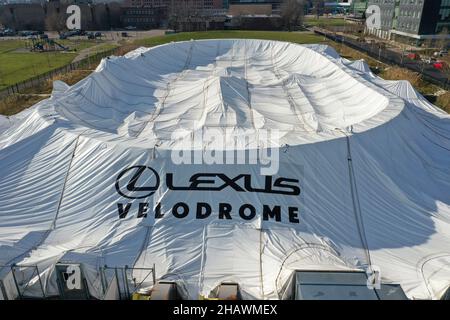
column 386, row 56
column 88, row 62
column 22, row 276
column 17, row 282
column 127, row 282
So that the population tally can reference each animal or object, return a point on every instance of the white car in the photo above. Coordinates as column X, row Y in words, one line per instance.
column 440, row 53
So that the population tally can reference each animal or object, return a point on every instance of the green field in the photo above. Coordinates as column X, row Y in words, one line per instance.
column 314, row 22
column 103, row 47
column 18, row 66
column 17, row 63
column 295, row 37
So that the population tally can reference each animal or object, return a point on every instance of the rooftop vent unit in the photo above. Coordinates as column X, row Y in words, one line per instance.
column 342, row 285
column 165, row 290
column 225, row 291
column 228, row 291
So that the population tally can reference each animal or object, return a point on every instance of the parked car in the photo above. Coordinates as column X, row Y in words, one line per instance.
column 130, row 28
column 440, row 65
column 441, row 53
column 77, row 32
column 26, row 33
column 93, row 35
column 413, row 56
column 71, row 33
column 429, row 60
column 124, row 34
column 43, row 36
column 9, row 32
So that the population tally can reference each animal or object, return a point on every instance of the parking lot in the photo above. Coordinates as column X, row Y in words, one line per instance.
column 109, row 35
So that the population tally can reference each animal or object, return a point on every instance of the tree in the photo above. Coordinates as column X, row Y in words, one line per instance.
column 292, row 12
column 443, row 41
column 55, row 21
column 184, row 14
column 428, row 43
column 318, row 7
column 7, row 17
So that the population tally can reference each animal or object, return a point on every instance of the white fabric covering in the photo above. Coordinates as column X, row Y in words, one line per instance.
column 389, row 204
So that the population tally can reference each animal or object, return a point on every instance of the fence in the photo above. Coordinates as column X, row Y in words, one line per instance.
column 24, row 282
column 388, row 57
column 16, row 283
column 129, row 280
column 39, row 79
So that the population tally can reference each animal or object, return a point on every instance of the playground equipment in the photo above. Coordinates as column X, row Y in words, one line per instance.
column 45, row 45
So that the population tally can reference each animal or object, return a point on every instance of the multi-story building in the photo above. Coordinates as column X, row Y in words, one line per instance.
column 39, row 16
column 423, row 17
column 274, row 3
column 143, row 17
column 19, row 1
column 198, row 4
column 254, row 1
column 145, row 3
column 386, row 19
column 153, row 13
column 412, row 20
column 358, row 8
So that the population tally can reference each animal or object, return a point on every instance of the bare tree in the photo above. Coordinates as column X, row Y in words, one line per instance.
column 428, row 44
column 7, row 18
column 443, row 41
column 55, row 21
column 318, row 7
column 184, row 13
column 292, row 12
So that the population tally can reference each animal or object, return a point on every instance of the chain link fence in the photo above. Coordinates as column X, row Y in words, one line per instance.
column 86, row 63
column 388, row 56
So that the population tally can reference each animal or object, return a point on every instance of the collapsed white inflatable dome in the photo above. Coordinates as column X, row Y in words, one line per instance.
column 97, row 174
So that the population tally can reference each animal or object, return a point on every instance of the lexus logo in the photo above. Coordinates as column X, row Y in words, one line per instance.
column 137, row 182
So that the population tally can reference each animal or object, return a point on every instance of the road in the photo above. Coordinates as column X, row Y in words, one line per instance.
column 387, row 55
column 107, row 35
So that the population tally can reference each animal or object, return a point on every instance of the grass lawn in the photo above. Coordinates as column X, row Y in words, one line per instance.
column 10, row 45
column 295, row 37
column 23, row 65
column 18, row 65
column 314, row 22
column 103, row 47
